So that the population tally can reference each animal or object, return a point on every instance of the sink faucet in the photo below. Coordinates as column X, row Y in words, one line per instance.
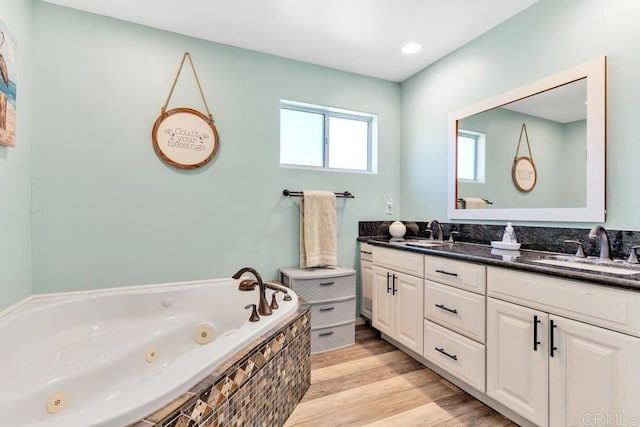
column 605, row 247
column 440, row 232
column 263, row 306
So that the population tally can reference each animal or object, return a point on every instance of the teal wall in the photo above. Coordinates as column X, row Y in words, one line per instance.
column 15, row 167
column 544, row 39
column 553, row 146
column 107, row 212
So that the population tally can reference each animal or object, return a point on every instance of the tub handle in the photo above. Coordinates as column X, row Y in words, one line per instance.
column 274, row 304
column 254, row 313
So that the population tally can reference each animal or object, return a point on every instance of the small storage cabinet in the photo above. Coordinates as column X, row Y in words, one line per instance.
column 332, row 295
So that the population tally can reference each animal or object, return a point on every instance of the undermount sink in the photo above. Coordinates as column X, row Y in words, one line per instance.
column 419, row 243
column 590, row 265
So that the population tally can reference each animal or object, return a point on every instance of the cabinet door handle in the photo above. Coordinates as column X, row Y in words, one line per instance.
column 388, row 284
column 448, row 273
column 451, row 356
column 535, row 332
column 325, row 334
column 552, row 346
column 327, row 283
column 395, row 290
column 327, row 309
column 450, row 310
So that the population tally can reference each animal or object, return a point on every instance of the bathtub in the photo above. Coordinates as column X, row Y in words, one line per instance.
column 110, row 357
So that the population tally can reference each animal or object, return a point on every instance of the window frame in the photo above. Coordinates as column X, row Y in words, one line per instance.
column 327, row 113
column 479, row 160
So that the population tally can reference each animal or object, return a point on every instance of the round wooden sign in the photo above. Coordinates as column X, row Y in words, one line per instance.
column 524, row 174
column 185, row 138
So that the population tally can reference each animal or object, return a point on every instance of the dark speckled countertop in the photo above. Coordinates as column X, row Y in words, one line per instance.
column 523, row 260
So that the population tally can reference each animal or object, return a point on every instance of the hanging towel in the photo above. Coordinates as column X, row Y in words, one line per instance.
column 318, row 241
column 474, row 203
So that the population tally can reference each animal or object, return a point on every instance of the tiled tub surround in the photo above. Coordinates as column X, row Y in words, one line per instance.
column 110, row 357
column 259, row 386
column 549, row 239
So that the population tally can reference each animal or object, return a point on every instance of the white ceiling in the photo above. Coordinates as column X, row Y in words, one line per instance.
column 360, row 36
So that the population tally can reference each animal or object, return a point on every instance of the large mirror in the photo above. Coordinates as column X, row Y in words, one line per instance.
column 559, row 123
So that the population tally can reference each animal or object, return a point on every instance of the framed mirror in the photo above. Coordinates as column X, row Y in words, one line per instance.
column 564, row 115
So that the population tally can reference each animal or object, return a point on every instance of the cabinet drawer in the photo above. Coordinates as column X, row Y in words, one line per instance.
column 333, row 337
column 366, row 252
column 399, row 260
column 612, row 308
column 456, row 354
column 326, row 288
column 463, row 275
column 462, row 311
column 332, row 312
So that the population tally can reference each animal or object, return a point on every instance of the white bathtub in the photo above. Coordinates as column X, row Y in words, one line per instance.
column 93, row 348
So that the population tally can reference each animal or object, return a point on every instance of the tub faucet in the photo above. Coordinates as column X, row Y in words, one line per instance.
column 605, row 247
column 440, row 232
column 263, row 306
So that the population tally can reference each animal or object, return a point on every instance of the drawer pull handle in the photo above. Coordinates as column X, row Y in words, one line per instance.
column 536, row 343
column 325, row 334
column 451, row 356
column 450, row 310
column 327, row 309
column 327, row 283
column 447, row 273
column 365, row 252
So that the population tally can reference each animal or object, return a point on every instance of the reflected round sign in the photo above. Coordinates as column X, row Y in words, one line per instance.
column 524, row 174
column 185, row 138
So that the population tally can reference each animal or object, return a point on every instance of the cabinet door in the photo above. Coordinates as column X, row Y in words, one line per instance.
column 594, row 375
column 382, row 318
column 517, row 375
column 409, row 301
column 366, row 293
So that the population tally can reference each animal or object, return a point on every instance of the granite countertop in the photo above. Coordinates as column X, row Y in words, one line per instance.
column 518, row 260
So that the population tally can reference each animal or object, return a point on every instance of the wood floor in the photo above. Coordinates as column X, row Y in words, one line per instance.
column 373, row 384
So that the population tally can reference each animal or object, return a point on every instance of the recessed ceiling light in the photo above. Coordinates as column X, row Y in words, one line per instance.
column 411, row 47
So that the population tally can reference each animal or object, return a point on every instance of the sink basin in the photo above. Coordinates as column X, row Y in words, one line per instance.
column 419, row 243
column 586, row 265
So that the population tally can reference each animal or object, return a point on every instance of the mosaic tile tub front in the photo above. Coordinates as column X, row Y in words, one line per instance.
column 260, row 386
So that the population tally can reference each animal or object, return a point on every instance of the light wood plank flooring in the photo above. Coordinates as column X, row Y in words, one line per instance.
column 374, row 384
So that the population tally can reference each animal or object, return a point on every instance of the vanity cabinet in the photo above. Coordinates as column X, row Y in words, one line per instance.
column 454, row 318
column 366, row 280
column 398, row 296
column 551, row 366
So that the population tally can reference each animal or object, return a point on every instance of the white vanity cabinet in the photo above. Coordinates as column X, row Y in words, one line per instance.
column 556, row 351
column 398, row 296
column 454, row 318
column 366, row 280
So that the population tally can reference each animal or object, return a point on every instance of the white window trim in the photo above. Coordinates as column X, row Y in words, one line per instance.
column 480, row 155
column 327, row 112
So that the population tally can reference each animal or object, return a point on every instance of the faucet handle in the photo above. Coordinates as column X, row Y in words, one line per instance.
column 580, row 250
column 430, row 231
column 451, row 233
column 633, row 256
column 254, row 313
column 274, row 304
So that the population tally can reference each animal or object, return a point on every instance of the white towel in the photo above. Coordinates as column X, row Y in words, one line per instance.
column 318, row 241
column 474, row 203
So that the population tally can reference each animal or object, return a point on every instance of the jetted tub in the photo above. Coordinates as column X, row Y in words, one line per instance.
column 110, row 357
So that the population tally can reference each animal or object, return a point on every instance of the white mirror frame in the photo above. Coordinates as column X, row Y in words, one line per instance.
column 595, row 209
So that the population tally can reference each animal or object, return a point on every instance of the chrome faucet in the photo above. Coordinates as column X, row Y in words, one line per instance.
column 440, row 232
column 605, row 247
column 263, row 306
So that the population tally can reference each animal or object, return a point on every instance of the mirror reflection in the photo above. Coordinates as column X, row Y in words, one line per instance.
column 556, row 124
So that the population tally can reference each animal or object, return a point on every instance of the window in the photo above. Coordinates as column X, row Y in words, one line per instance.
column 322, row 137
column 471, row 156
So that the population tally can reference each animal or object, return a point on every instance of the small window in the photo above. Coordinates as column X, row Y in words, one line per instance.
column 471, row 157
column 322, row 137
